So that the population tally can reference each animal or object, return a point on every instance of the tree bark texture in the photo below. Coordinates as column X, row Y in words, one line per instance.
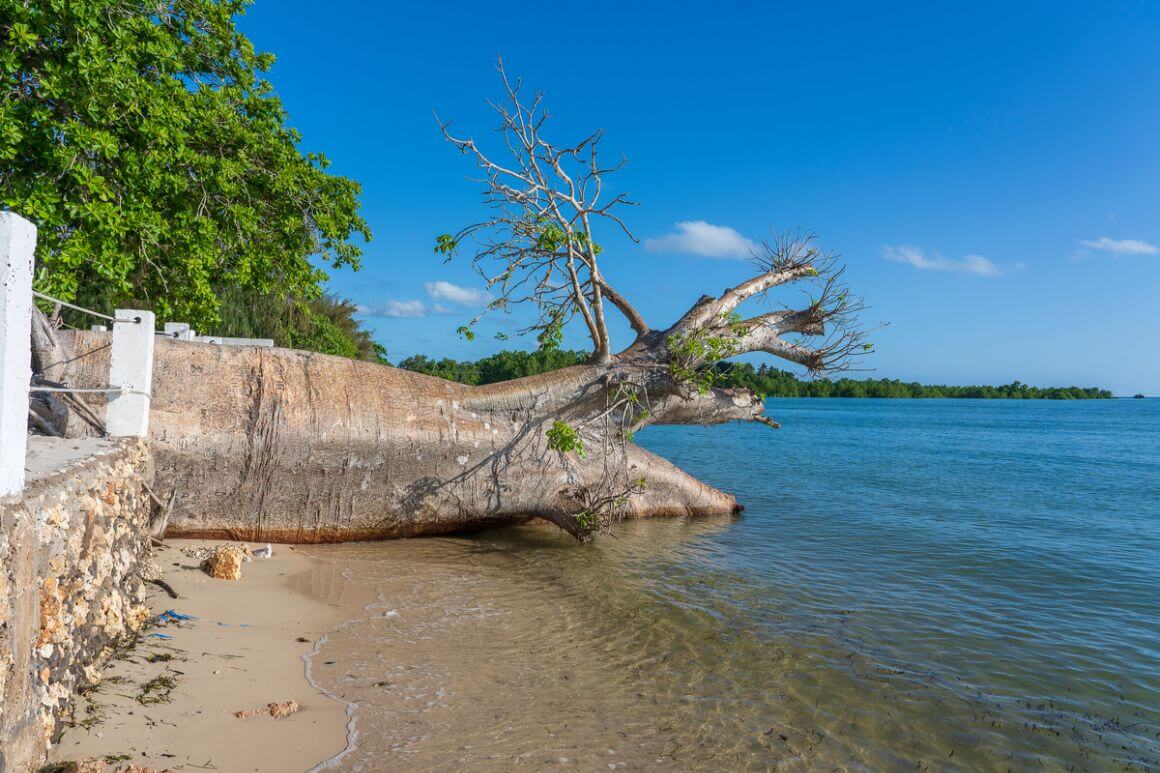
column 271, row 444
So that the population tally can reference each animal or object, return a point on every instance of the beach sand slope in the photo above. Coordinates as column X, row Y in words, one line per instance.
column 171, row 702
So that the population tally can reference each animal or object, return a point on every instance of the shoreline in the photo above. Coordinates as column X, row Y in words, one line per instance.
column 248, row 644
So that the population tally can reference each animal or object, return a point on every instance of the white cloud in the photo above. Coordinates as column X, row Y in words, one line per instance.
column 913, row 256
column 395, row 309
column 468, row 296
column 1121, row 246
column 704, row 239
column 415, row 308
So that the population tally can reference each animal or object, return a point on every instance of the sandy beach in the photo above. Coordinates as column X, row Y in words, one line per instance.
column 170, row 701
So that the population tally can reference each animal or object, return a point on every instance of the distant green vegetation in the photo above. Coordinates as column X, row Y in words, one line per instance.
column 779, row 383
column 764, row 380
column 503, row 366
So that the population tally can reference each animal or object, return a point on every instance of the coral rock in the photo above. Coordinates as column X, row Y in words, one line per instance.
column 248, row 713
column 225, row 563
column 279, row 710
column 137, row 617
column 276, row 710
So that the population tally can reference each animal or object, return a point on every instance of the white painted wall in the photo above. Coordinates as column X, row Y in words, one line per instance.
column 17, row 247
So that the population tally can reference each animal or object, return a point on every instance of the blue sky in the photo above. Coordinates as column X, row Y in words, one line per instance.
column 989, row 172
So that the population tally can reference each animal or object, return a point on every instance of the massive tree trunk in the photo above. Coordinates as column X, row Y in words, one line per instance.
column 289, row 446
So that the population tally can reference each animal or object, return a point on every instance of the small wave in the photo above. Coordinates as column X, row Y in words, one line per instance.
column 351, row 716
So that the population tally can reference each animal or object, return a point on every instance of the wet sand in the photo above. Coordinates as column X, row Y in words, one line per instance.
column 170, row 702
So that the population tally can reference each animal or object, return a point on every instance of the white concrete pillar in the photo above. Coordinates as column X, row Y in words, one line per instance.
column 130, row 367
column 179, row 330
column 17, row 246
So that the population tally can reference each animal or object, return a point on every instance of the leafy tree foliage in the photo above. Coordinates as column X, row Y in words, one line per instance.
column 325, row 324
column 144, row 140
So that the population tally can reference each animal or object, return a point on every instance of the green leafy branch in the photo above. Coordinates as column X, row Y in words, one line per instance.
column 692, row 354
column 564, row 438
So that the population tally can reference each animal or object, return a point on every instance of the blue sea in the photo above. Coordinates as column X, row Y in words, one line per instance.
column 931, row 584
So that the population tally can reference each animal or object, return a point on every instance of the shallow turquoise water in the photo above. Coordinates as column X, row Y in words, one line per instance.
column 931, row 584
column 1003, row 557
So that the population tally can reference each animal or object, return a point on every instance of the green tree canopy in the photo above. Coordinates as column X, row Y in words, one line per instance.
column 146, row 144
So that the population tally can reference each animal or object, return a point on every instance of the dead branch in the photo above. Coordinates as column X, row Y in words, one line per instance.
column 539, row 245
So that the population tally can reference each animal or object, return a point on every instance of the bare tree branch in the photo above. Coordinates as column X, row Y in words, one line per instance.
column 826, row 336
column 716, row 406
column 639, row 326
column 547, row 199
column 788, row 258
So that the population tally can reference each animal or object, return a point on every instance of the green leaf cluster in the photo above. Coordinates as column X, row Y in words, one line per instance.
column 564, row 438
column 146, row 143
column 693, row 354
column 445, row 244
column 552, row 335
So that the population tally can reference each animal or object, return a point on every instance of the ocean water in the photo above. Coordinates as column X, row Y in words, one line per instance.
column 931, row 584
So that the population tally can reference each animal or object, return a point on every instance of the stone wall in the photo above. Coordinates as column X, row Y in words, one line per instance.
column 71, row 550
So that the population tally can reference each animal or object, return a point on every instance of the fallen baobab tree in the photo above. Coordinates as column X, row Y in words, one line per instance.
column 282, row 445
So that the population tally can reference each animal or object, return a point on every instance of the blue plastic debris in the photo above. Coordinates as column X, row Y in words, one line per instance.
column 171, row 615
column 160, row 636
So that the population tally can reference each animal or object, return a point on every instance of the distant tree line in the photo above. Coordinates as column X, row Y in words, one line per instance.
column 772, row 382
column 764, row 380
column 503, row 366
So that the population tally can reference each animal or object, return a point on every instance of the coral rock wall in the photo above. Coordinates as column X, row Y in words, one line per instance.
column 71, row 552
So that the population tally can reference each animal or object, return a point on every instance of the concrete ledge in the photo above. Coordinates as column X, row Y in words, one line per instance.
column 52, row 456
